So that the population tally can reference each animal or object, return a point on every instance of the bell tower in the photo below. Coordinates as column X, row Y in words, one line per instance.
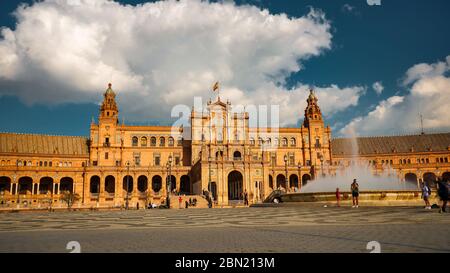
column 109, row 111
column 312, row 111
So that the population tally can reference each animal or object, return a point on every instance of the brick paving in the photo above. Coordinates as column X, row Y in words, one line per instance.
column 309, row 228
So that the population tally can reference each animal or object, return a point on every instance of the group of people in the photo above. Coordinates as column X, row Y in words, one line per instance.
column 354, row 187
column 191, row 203
column 443, row 191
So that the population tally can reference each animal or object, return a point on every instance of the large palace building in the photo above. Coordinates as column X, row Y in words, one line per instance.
column 120, row 163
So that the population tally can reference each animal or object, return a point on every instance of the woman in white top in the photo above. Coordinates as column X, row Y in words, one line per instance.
column 426, row 192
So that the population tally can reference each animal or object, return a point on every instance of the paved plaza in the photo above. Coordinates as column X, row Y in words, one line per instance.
column 301, row 228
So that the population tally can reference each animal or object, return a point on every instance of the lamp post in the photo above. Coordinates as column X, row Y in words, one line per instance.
column 286, row 178
column 321, row 163
column 128, row 184
column 299, row 176
column 169, row 180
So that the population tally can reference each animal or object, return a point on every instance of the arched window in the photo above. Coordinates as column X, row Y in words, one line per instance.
column 409, row 161
column 180, row 141
column 162, row 142
column 237, row 155
column 153, row 141
column 171, row 142
column 276, row 142
column 252, row 141
column 260, row 141
column 134, row 141
column 293, row 142
column 284, row 142
column 269, row 141
column 144, row 141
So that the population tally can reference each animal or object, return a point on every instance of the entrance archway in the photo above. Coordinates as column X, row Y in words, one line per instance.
column 411, row 178
column 185, row 184
column 173, row 182
column 127, row 184
column 156, row 183
column 281, row 181
column 293, row 181
column 94, row 185
column 142, row 183
column 66, row 184
column 45, row 185
column 235, row 185
column 110, row 184
column 430, row 179
column 5, row 185
column 305, row 178
column 446, row 176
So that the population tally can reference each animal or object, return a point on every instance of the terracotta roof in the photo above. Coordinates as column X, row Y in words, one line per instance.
column 43, row 144
column 392, row 144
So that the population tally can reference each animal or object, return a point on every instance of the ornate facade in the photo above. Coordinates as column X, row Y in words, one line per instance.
column 120, row 163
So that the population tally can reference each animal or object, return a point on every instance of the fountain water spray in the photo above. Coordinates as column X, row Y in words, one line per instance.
column 367, row 177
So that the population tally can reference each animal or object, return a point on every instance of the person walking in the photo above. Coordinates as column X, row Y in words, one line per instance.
column 443, row 194
column 426, row 192
column 355, row 194
column 186, row 204
column 179, row 201
column 338, row 197
column 245, row 198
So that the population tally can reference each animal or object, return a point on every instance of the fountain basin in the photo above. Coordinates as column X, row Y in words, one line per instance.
column 368, row 198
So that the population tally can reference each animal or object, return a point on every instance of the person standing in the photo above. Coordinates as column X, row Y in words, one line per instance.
column 355, row 194
column 426, row 192
column 245, row 198
column 179, row 201
column 338, row 197
column 443, row 194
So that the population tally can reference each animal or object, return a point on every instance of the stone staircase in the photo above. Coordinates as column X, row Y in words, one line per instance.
column 174, row 201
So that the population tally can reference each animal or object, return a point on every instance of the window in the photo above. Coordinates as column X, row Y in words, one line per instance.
column 94, row 163
column 106, row 155
column 252, row 141
column 291, row 159
column 153, row 141
column 157, row 160
column 276, row 142
column 260, row 141
column 317, row 145
column 137, row 159
column 162, row 142
column 45, row 163
column 134, row 141
column 427, row 160
column 171, row 143
column 293, row 142
column 180, row 141
column 49, row 164
column 177, row 160
column 284, row 142
column 144, row 141
column 269, row 141
column 117, row 163
column 446, row 160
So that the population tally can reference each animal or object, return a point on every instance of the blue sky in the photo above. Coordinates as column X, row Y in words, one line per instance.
column 369, row 44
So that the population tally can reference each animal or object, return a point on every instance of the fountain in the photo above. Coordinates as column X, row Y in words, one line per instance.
column 376, row 187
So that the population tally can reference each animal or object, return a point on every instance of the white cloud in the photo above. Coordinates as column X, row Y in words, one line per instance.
column 378, row 87
column 161, row 54
column 429, row 95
